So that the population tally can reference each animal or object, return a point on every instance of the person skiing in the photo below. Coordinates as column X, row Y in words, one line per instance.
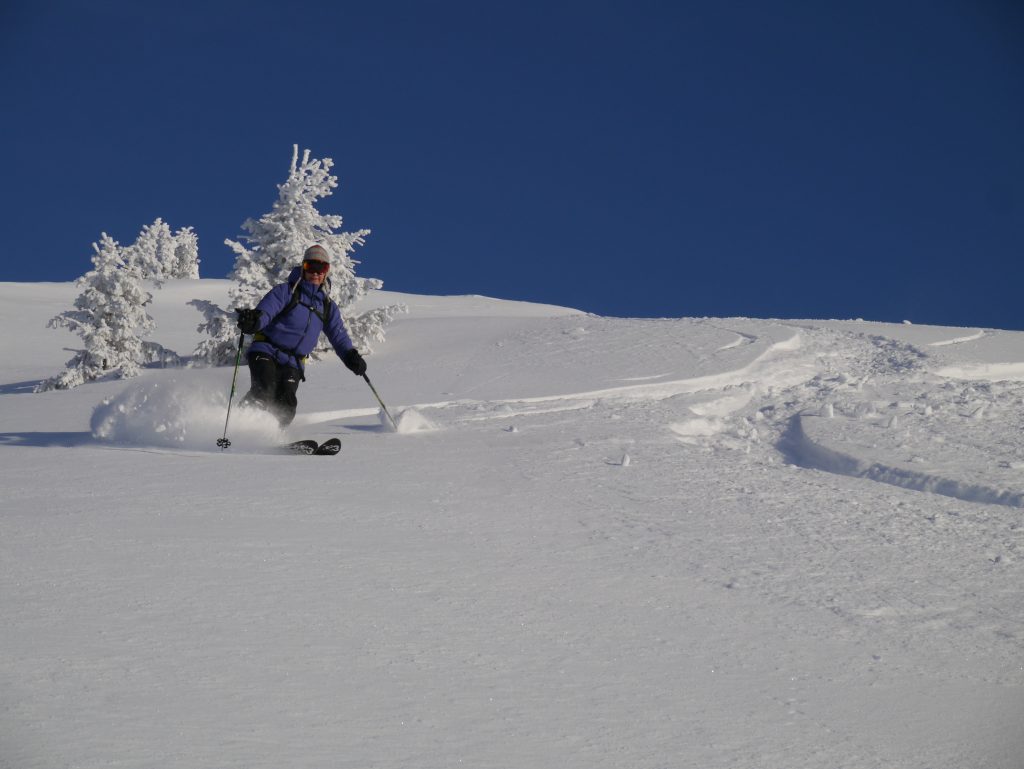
column 286, row 326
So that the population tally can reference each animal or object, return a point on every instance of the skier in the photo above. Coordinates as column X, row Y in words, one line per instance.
column 286, row 326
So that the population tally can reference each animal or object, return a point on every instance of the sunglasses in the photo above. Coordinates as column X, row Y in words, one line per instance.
column 315, row 267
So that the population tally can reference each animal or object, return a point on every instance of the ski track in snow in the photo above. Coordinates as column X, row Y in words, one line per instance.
column 807, row 452
column 643, row 378
column 996, row 372
column 759, row 371
column 959, row 339
column 741, row 339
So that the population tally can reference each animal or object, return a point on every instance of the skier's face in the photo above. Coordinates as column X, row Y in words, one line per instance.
column 317, row 274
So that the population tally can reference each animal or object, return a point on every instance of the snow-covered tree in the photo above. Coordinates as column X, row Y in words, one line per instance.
column 160, row 255
column 273, row 245
column 185, row 261
column 110, row 314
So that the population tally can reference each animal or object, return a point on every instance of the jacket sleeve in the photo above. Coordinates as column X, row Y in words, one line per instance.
column 336, row 332
column 270, row 305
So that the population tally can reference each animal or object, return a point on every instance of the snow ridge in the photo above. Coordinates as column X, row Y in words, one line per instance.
column 803, row 451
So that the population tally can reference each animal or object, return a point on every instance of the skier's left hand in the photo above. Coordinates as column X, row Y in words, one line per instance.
column 354, row 362
column 249, row 320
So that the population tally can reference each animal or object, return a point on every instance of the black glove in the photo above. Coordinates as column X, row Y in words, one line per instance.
column 354, row 361
column 249, row 320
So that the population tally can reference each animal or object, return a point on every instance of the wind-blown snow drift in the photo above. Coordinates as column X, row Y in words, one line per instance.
column 181, row 415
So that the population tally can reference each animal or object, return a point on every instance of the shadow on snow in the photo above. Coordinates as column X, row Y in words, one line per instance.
column 19, row 388
column 48, row 440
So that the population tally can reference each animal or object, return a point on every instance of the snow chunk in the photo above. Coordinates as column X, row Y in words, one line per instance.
column 408, row 421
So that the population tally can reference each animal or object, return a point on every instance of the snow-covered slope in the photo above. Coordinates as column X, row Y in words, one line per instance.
column 617, row 543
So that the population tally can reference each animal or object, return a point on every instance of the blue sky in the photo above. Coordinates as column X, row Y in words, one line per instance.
column 785, row 159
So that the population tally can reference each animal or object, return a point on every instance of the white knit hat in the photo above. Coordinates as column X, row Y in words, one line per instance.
column 317, row 253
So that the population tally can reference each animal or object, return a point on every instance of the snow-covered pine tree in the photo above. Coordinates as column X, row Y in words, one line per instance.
column 185, row 259
column 274, row 244
column 110, row 316
column 161, row 256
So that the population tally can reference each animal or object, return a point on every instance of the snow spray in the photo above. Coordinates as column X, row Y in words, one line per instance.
column 177, row 414
column 408, row 421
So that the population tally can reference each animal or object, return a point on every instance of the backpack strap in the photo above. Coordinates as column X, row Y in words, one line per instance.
column 292, row 301
column 325, row 289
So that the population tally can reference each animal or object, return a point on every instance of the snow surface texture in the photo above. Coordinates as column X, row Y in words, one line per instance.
column 607, row 543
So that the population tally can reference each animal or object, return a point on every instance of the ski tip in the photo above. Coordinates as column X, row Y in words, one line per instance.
column 328, row 447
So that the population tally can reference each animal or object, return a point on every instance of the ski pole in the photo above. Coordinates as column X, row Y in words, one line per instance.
column 385, row 408
column 224, row 442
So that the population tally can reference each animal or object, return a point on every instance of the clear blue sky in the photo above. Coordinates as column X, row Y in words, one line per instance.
column 768, row 159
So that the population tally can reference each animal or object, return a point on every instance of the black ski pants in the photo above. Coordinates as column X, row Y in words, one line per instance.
column 273, row 387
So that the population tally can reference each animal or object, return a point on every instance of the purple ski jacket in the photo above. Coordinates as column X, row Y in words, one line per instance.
column 291, row 337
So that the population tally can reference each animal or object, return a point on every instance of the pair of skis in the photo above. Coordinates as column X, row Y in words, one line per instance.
column 326, row 449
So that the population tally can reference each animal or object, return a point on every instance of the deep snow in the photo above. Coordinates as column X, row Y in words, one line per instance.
column 595, row 542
